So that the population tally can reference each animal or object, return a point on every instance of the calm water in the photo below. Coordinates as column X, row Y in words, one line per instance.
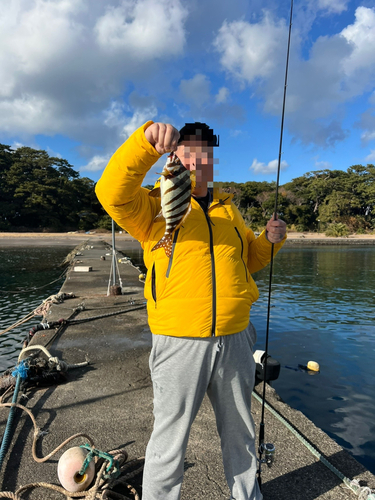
column 25, row 269
column 323, row 309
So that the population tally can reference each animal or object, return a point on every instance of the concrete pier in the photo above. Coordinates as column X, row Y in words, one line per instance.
column 111, row 400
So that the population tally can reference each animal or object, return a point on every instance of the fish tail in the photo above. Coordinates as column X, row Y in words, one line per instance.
column 166, row 243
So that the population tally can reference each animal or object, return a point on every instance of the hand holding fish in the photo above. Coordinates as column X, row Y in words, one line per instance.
column 163, row 137
column 275, row 229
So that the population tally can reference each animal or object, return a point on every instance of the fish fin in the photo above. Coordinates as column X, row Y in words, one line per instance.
column 166, row 243
column 159, row 217
column 155, row 193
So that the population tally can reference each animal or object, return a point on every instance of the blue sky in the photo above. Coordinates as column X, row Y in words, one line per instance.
column 78, row 77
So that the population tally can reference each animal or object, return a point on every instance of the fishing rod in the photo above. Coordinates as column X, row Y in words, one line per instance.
column 267, row 448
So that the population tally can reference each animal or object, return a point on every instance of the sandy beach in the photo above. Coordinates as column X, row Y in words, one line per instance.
column 54, row 239
column 73, row 239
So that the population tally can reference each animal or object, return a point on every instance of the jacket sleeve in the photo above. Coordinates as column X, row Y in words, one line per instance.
column 119, row 188
column 260, row 250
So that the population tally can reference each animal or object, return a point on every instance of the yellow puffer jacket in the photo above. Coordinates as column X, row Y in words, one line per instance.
column 206, row 287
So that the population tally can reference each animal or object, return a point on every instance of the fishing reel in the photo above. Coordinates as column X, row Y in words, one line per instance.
column 269, row 454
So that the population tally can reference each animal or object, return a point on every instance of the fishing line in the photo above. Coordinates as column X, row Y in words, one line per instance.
column 261, row 429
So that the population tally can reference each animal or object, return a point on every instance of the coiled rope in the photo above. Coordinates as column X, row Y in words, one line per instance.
column 102, row 487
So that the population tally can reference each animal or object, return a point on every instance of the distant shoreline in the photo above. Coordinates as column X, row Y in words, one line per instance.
column 72, row 239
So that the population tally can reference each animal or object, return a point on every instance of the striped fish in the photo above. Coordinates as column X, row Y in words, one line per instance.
column 175, row 193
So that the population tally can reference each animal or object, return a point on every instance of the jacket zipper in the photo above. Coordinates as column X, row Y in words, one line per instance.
column 243, row 262
column 175, row 236
column 153, row 283
column 213, row 276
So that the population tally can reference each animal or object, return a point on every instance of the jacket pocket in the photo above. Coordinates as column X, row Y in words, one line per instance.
column 153, row 282
column 243, row 262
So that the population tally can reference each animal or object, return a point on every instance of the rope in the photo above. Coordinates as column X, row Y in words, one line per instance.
column 109, row 281
column 26, row 318
column 101, row 488
column 35, row 288
column 74, row 313
column 41, row 310
column 352, row 485
column 34, row 348
column 84, row 320
column 118, row 272
column 38, row 433
column 20, row 370
column 53, row 361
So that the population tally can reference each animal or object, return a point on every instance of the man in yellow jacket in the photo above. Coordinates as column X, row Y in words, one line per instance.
column 198, row 303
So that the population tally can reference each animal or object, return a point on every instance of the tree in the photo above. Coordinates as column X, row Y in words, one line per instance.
column 6, row 193
column 39, row 191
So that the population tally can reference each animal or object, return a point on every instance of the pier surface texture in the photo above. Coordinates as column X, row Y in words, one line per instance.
column 111, row 401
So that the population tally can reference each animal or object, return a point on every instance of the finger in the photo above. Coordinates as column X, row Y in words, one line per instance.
column 170, row 138
column 161, row 137
column 277, row 223
column 274, row 217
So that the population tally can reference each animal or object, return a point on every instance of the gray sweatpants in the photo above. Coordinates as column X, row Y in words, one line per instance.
column 182, row 370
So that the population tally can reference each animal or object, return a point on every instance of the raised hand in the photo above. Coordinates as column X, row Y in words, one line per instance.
column 163, row 136
column 275, row 229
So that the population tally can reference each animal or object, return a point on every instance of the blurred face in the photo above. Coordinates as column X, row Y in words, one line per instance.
column 197, row 157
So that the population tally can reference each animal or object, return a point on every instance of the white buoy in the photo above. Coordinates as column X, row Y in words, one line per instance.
column 313, row 366
column 68, row 469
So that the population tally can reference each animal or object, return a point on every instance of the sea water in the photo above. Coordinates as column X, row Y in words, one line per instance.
column 25, row 281
column 322, row 309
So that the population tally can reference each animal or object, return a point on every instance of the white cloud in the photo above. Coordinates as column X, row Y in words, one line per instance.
column 367, row 124
column 235, row 133
column 323, row 165
column 138, row 118
column 361, row 36
column 123, row 125
column 223, row 95
column 144, row 28
column 250, row 51
column 271, row 167
column 96, row 163
column 17, row 145
column 338, row 68
column 333, row 6
column 53, row 153
column 29, row 114
column 371, row 157
column 368, row 135
column 196, row 91
column 62, row 65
